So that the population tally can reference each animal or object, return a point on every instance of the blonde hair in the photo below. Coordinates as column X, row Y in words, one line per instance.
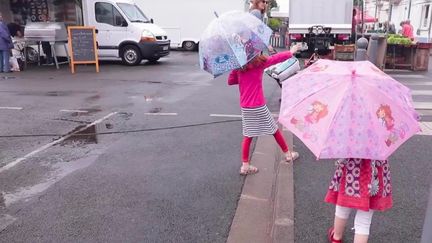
column 255, row 5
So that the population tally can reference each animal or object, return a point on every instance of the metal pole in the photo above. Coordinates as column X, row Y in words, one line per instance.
column 409, row 9
column 390, row 11
column 429, row 29
column 376, row 8
column 362, row 15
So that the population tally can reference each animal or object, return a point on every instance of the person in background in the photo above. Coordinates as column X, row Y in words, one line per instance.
column 408, row 30
column 5, row 46
column 258, row 9
column 46, row 46
column 15, row 30
column 389, row 28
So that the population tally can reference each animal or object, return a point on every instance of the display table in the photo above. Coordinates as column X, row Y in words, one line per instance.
column 412, row 57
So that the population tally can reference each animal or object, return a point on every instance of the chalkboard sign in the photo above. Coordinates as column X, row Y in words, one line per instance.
column 82, row 46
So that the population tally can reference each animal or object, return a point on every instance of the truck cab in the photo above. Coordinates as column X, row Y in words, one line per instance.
column 124, row 31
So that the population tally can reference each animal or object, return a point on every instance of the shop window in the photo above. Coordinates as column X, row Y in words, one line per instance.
column 108, row 14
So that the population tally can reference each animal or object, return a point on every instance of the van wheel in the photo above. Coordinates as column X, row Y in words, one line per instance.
column 131, row 55
column 189, row 46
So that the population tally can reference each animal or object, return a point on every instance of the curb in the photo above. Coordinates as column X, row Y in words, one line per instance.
column 265, row 211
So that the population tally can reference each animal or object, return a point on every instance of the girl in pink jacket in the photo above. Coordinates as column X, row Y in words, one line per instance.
column 256, row 117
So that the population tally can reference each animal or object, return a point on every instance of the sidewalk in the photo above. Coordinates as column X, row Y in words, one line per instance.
column 265, row 211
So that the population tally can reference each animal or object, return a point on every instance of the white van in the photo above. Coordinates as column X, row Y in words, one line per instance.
column 186, row 20
column 123, row 31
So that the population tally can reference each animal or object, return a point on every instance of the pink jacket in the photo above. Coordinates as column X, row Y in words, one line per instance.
column 250, row 81
column 407, row 31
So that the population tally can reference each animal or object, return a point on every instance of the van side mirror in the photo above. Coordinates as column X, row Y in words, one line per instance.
column 124, row 23
column 152, row 21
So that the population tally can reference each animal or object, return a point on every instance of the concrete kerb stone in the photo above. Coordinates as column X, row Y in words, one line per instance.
column 265, row 211
column 283, row 212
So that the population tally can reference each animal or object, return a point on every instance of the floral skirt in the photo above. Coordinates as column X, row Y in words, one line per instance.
column 361, row 184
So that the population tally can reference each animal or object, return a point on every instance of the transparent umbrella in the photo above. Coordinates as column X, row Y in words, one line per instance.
column 231, row 40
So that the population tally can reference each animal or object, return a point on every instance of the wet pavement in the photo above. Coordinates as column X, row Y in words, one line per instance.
column 130, row 154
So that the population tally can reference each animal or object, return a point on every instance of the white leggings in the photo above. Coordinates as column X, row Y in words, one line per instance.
column 362, row 219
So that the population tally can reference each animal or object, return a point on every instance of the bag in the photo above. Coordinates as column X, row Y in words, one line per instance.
column 13, row 62
column 282, row 71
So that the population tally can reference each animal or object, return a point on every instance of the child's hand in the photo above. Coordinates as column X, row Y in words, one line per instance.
column 271, row 49
column 294, row 49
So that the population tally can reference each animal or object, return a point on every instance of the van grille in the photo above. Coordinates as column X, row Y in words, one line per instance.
column 161, row 37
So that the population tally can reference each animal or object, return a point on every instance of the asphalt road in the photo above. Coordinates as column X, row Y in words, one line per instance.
column 163, row 169
column 411, row 170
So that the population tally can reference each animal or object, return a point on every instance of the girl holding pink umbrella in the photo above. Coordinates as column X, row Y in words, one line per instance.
column 358, row 113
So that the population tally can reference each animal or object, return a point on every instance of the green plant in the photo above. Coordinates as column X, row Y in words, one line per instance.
column 274, row 23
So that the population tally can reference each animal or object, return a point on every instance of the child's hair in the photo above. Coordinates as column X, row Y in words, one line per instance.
column 256, row 62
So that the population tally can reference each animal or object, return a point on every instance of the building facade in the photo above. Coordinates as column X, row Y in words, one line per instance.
column 24, row 11
column 395, row 11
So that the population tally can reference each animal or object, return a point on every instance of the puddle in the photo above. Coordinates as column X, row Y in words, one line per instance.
column 93, row 98
column 54, row 93
column 125, row 115
column 8, row 77
column 155, row 110
column 2, row 200
column 87, row 136
column 57, row 93
column 86, row 112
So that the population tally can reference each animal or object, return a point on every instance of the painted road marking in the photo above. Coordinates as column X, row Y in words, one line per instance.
column 10, row 108
column 423, row 105
column 46, row 146
column 425, row 112
column 421, row 92
column 407, row 76
column 416, row 83
column 161, row 114
column 426, row 128
column 74, row 111
column 225, row 115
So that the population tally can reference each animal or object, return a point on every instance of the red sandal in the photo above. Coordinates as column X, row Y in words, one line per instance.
column 330, row 234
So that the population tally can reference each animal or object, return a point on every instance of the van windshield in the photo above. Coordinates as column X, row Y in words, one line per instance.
column 133, row 13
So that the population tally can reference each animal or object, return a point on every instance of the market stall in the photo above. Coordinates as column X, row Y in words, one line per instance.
column 402, row 53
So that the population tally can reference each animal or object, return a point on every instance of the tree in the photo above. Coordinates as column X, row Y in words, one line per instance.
column 271, row 4
column 358, row 2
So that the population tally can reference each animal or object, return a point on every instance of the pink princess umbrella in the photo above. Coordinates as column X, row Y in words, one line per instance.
column 348, row 110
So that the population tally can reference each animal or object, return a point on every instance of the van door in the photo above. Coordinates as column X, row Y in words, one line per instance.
column 112, row 28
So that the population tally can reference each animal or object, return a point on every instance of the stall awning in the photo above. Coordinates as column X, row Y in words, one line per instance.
column 367, row 18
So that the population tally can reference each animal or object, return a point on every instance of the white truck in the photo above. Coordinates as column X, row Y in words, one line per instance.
column 186, row 20
column 124, row 31
column 318, row 24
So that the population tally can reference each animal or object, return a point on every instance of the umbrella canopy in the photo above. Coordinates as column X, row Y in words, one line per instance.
column 231, row 41
column 366, row 17
column 348, row 110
